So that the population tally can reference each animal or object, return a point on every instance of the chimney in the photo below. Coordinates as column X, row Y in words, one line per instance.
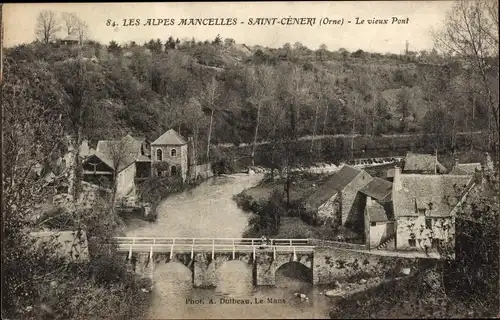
column 397, row 179
column 369, row 201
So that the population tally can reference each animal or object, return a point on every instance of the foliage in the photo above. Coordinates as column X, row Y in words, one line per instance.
column 39, row 282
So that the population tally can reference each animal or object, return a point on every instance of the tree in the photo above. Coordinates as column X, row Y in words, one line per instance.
column 217, row 41
column 33, row 132
column 47, row 26
column 228, row 42
column 470, row 32
column 170, row 43
column 114, row 47
column 120, row 153
column 210, row 95
column 82, row 31
column 404, row 106
column 261, row 90
column 70, row 21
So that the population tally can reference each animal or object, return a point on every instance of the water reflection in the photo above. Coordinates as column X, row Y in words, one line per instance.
column 234, row 279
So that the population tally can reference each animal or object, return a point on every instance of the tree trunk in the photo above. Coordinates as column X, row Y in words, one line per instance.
column 254, row 144
column 210, row 134
column 314, row 128
column 324, row 121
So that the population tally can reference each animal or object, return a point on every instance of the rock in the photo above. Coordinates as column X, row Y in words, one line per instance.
column 332, row 293
column 144, row 290
column 303, row 296
column 250, row 171
column 362, row 281
column 405, row 271
column 307, row 298
column 297, row 294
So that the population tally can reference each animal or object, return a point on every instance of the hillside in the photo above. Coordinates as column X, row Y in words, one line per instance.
column 145, row 90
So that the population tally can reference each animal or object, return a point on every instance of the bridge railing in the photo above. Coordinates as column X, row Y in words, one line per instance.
column 210, row 248
column 210, row 241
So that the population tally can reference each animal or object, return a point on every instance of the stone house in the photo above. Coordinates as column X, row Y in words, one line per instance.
column 422, row 164
column 425, row 206
column 337, row 200
column 169, row 155
column 379, row 224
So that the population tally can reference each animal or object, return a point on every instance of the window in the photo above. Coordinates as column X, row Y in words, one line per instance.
column 428, row 223
column 374, row 224
column 173, row 153
column 173, row 170
column 159, row 155
column 412, row 242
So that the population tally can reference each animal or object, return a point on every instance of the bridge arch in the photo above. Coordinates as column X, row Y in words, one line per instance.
column 295, row 269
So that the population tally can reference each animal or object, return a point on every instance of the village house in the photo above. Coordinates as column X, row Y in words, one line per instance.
column 70, row 40
column 465, row 168
column 424, row 207
column 135, row 158
column 379, row 225
column 114, row 158
column 337, row 202
column 169, row 155
column 422, row 164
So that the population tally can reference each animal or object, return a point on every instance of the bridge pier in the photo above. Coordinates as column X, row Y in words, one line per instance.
column 204, row 257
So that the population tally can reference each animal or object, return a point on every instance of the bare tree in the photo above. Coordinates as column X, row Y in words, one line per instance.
column 47, row 26
column 82, row 31
column 471, row 33
column 210, row 95
column 70, row 22
column 75, row 26
column 120, row 153
column 262, row 87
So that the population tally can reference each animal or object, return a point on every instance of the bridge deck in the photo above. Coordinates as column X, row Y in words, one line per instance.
column 190, row 245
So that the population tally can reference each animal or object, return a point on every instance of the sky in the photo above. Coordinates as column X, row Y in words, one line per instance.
column 421, row 17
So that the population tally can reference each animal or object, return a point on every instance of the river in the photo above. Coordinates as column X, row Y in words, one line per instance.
column 209, row 211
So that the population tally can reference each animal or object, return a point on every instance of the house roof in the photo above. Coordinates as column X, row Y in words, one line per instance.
column 71, row 37
column 333, row 185
column 125, row 151
column 422, row 162
column 378, row 189
column 170, row 138
column 377, row 212
column 438, row 194
column 466, row 168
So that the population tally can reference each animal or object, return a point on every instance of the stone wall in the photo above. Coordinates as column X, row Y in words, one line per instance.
column 328, row 264
column 125, row 185
column 328, row 209
column 181, row 158
column 349, row 195
column 204, row 268
column 442, row 228
column 332, row 264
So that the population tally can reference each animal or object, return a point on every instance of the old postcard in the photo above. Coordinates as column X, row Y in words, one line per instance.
column 264, row 160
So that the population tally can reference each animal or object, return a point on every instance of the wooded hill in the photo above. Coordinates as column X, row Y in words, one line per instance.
column 147, row 89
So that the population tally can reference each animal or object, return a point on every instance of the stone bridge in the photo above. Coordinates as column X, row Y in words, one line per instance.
column 203, row 256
